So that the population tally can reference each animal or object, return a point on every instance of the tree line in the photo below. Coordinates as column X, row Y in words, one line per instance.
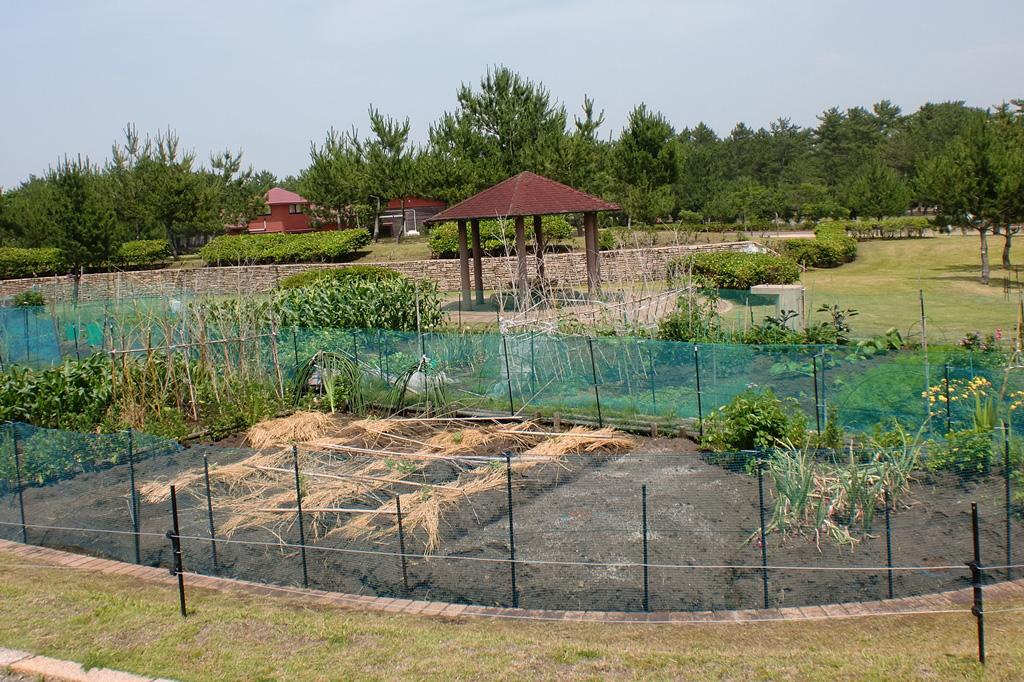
column 965, row 162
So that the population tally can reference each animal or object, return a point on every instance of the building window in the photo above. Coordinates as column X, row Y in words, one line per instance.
column 294, row 208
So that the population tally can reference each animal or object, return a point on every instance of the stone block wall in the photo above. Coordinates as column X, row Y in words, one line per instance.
column 625, row 265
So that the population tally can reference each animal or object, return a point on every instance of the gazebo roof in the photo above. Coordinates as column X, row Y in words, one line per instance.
column 525, row 194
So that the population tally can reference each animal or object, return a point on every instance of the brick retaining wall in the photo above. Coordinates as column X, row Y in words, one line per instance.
column 623, row 265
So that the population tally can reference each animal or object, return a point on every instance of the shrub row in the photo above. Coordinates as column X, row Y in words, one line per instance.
column 728, row 270
column 364, row 273
column 16, row 263
column 830, row 248
column 496, row 236
column 143, row 253
column 901, row 227
column 255, row 249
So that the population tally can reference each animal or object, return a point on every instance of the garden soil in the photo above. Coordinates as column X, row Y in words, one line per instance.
column 579, row 537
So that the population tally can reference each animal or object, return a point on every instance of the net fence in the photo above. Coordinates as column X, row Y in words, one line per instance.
column 636, row 531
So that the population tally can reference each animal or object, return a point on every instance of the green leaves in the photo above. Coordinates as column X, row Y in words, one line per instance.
column 356, row 303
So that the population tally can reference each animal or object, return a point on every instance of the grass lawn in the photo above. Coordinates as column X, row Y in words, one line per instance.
column 119, row 623
column 882, row 284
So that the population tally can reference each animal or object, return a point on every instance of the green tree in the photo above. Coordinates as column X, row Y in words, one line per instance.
column 876, row 190
column 80, row 215
column 978, row 181
column 509, row 125
column 158, row 185
column 335, row 181
column 241, row 193
column 391, row 164
column 645, row 165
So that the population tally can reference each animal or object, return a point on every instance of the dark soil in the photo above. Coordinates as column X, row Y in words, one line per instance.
column 587, row 510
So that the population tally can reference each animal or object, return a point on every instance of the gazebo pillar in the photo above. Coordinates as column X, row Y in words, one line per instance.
column 467, row 299
column 593, row 259
column 522, row 275
column 538, row 236
column 478, row 268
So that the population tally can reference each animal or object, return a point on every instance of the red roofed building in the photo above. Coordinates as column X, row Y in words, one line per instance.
column 286, row 212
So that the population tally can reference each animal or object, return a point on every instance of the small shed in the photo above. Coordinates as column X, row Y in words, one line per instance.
column 520, row 197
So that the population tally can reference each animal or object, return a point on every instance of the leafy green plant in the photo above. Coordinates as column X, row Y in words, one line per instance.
column 755, row 420
column 29, row 299
column 967, row 453
column 389, row 303
column 694, row 319
column 364, row 273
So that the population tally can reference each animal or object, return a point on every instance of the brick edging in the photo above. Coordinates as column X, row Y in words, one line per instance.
column 938, row 602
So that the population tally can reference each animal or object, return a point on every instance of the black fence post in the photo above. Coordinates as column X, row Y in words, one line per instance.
column 1008, row 501
column 647, row 595
column 136, row 525
column 949, row 417
column 593, row 373
column 888, row 540
column 817, row 404
column 764, row 535
column 209, row 512
column 298, row 510
column 511, row 529
column 654, row 393
column 18, row 487
column 174, row 535
column 508, row 377
column 978, row 609
column 401, row 544
column 295, row 350
column 700, row 408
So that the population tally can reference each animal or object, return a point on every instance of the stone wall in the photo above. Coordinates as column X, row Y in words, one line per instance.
column 625, row 265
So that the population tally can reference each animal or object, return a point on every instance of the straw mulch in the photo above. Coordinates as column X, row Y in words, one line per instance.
column 436, row 466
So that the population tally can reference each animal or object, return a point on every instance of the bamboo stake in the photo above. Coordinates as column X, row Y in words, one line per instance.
column 356, row 477
column 325, row 510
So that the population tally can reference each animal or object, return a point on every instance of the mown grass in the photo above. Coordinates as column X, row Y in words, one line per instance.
column 117, row 622
column 883, row 283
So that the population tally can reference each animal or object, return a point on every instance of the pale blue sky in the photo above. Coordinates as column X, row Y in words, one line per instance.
column 269, row 77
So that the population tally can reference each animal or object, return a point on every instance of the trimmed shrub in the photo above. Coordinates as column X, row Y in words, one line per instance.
column 142, row 253
column 313, row 247
column 364, row 273
column 17, row 263
column 495, row 236
column 830, row 248
column 729, row 270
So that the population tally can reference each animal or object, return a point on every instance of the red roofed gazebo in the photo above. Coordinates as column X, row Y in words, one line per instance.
column 523, row 195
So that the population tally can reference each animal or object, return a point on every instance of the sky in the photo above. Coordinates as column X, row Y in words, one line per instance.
column 270, row 77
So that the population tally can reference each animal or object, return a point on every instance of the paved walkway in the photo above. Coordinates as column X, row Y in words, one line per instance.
column 21, row 665
column 958, row 601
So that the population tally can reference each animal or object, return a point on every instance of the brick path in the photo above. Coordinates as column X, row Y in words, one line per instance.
column 953, row 601
column 22, row 665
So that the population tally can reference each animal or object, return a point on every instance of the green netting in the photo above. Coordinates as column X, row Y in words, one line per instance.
column 623, row 379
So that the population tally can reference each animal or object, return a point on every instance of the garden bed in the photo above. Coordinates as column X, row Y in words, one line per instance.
column 581, row 513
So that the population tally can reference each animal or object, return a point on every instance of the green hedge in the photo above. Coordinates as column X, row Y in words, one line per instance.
column 364, row 273
column 255, row 249
column 901, row 227
column 830, row 248
column 142, row 253
column 17, row 263
column 729, row 270
column 494, row 236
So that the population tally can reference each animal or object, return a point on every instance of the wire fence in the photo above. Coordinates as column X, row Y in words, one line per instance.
column 615, row 532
